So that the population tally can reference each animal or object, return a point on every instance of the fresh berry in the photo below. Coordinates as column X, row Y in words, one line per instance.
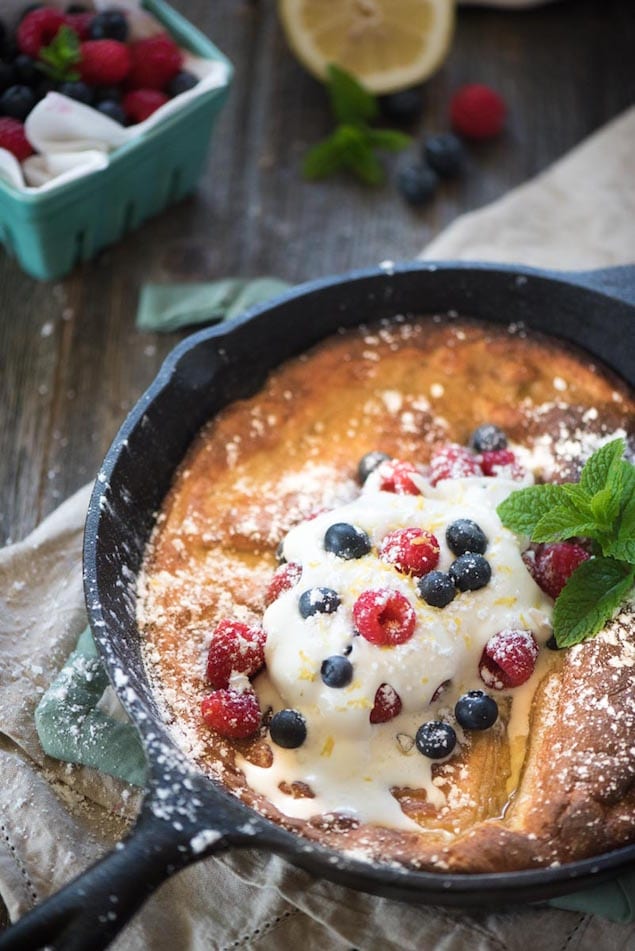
column 435, row 739
column 397, row 476
column 8, row 75
column 17, row 102
column 13, row 139
column 109, row 25
column 336, row 671
column 78, row 91
column 104, row 62
column 288, row 729
column 26, row 71
column 465, row 535
column 318, row 601
column 285, row 577
column 235, row 648
column 413, row 551
column 384, row 616
column 452, row 462
column 417, row 183
column 346, row 541
column 182, row 82
column 140, row 104
column 80, row 23
column 477, row 112
column 437, row 589
column 552, row 644
column 487, row 438
column 107, row 94
column 470, row 572
column 77, row 8
column 508, row 659
column 368, row 463
column 387, row 704
column 403, row 106
column 476, row 710
column 554, row 564
column 501, row 463
column 113, row 110
column 155, row 61
column 233, row 714
column 445, row 154
column 39, row 28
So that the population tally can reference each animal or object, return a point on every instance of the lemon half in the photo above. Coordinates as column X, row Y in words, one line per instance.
column 386, row 44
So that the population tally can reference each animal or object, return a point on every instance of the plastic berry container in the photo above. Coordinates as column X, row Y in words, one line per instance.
column 49, row 233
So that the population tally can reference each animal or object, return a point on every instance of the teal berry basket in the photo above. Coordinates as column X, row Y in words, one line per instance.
column 50, row 233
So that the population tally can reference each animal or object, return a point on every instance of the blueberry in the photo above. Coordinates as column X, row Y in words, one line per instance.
column 465, row 535
column 107, row 94
column 109, row 25
column 403, row 106
column 288, row 729
column 346, row 541
column 435, row 739
column 488, row 438
column 77, row 8
column 552, row 644
column 476, row 710
column 78, row 91
column 318, row 601
column 417, row 183
column 17, row 102
column 445, row 154
column 26, row 71
column 181, row 83
column 113, row 110
column 369, row 462
column 7, row 76
column 436, row 588
column 470, row 572
column 336, row 671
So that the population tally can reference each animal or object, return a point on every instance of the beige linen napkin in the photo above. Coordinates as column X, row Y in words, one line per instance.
column 55, row 818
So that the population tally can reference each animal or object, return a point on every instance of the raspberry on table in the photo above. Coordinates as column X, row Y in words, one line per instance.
column 384, row 616
column 140, row 104
column 39, row 28
column 453, row 462
column 554, row 564
column 13, row 138
column 477, row 112
column 236, row 647
column 285, row 577
column 233, row 714
column 508, row 659
column 104, row 62
column 387, row 704
column 413, row 551
column 155, row 61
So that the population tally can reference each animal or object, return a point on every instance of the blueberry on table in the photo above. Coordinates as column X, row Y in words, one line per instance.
column 470, row 572
column 318, row 601
column 437, row 589
column 445, row 154
column 17, row 102
column 487, row 438
column 346, row 541
column 435, row 739
column 403, row 106
column 288, row 729
column 182, row 82
column 109, row 25
column 417, row 183
column 476, row 710
column 336, row 671
column 464, row 535
column 113, row 110
column 369, row 462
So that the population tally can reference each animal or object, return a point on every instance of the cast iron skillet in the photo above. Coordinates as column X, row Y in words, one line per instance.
column 186, row 817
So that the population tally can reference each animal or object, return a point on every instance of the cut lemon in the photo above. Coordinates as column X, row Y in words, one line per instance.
column 386, row 44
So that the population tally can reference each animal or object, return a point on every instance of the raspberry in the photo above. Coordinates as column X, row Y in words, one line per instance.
column 554, row 564
column 501, row 463
column 384, row 616
column 387, row 704
column 235, row 647
column 39, row 28
column 396, row 476
column 285, row 577
column 477, row 112
column 508, row 659
column 155, row 61
column 232, row 714
column 453, row 462
column 104, row 62
column 413, row 551
column 141, row 103
column 13, row 139
column 80, row 23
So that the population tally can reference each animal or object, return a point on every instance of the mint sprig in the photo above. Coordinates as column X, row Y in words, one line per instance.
column 601, row 507
column 353, row 144
column 59, row 59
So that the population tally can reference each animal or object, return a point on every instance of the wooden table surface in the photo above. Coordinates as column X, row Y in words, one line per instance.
column 71, row 361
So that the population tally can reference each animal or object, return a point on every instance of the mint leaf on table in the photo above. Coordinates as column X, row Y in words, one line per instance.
column 346, row 148
column 58, row 59
column 589, row 598
column 350, row 102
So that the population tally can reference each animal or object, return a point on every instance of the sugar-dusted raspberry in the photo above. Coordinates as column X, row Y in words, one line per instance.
column 13, row 139
column 285, row 577
column 397, row 476
column 140, row 104
column 387, row 704
column 39, row 28
column 477, row 112
column 413, row 551
column 453, row 462
column 554, row 564
column 155, row 61
column 104, row 62
column 508, row 659
column 235, row 648
column 501, row 463
column 232, row 713
column 384, row 616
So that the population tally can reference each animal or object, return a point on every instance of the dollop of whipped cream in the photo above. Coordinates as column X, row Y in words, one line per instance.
column 351, row 764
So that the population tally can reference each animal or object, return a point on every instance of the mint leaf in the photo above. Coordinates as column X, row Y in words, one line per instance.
column 588, row 600
column 350, row 102
column 324, row 158
column 597, row 470
column 61, row 55
column 560, row 523
column 522, row 510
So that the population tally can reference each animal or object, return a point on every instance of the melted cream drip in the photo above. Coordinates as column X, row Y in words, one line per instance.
column 349, row 763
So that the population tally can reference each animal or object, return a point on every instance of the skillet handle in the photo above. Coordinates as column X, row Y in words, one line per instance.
column 93, row 908
column 618, row 282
